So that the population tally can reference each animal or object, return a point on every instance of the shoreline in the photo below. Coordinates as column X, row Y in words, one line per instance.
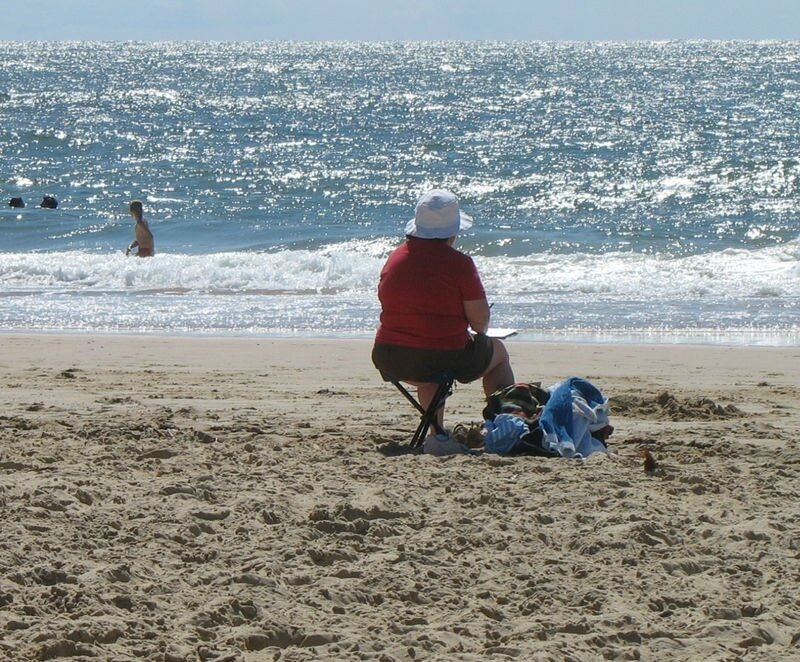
column 234, row 499
column 34, row 342
column 691, row 338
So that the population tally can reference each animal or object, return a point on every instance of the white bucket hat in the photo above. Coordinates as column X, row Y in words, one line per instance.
column 437, row 216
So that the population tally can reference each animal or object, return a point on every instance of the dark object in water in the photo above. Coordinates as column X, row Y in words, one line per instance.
column 49, row 202
column 17, row 203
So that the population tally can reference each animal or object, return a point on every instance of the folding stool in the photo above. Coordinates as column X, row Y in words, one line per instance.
column 445, row 380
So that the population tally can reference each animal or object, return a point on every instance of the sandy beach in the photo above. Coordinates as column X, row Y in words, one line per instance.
column 182, row 499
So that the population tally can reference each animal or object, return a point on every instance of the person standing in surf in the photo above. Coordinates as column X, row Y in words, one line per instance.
column 143, row 236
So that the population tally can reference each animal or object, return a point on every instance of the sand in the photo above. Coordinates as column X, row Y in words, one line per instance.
column 238, row 499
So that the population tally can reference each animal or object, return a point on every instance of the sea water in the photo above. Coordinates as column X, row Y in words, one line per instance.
column 621, row 191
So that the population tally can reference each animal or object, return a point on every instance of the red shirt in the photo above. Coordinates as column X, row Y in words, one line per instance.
column 422, row 290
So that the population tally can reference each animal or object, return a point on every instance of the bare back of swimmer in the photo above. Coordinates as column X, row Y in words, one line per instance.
column 143, row 236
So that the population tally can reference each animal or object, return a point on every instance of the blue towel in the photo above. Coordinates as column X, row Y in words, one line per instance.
column 503, row 433
column 575, row 409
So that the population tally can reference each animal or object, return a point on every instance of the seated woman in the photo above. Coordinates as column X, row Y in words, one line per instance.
column 431, row 294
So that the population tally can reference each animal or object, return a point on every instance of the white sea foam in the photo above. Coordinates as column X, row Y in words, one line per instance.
column 726, row 295
column 355, row 265
column 282, row 271
column 727, row 274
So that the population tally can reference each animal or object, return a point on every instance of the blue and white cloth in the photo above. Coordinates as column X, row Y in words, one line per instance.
column 576, row 408
column 503, row 433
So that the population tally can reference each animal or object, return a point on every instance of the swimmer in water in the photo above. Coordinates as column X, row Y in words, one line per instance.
column 144, row 238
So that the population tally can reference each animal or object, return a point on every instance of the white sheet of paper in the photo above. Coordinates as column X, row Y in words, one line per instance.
column 501, row 333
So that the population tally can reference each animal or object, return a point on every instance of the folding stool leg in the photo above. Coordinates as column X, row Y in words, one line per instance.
column 427, row 416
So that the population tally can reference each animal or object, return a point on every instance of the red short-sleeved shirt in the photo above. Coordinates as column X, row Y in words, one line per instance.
column 422, row 290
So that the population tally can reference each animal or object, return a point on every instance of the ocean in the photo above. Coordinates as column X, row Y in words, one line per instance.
column 622, row 192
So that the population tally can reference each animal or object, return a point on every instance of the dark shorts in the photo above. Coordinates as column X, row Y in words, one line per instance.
column 419, row 365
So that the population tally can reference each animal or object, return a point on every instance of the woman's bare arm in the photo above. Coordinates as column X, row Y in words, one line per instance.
column 477, row 312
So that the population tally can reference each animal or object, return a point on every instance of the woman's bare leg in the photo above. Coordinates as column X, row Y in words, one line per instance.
column 499, row 372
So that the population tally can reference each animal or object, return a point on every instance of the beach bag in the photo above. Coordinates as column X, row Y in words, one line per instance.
column 511, row 420
column 562, row 421
column 521, row 399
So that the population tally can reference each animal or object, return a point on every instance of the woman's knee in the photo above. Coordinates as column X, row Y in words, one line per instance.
column 499, row 354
